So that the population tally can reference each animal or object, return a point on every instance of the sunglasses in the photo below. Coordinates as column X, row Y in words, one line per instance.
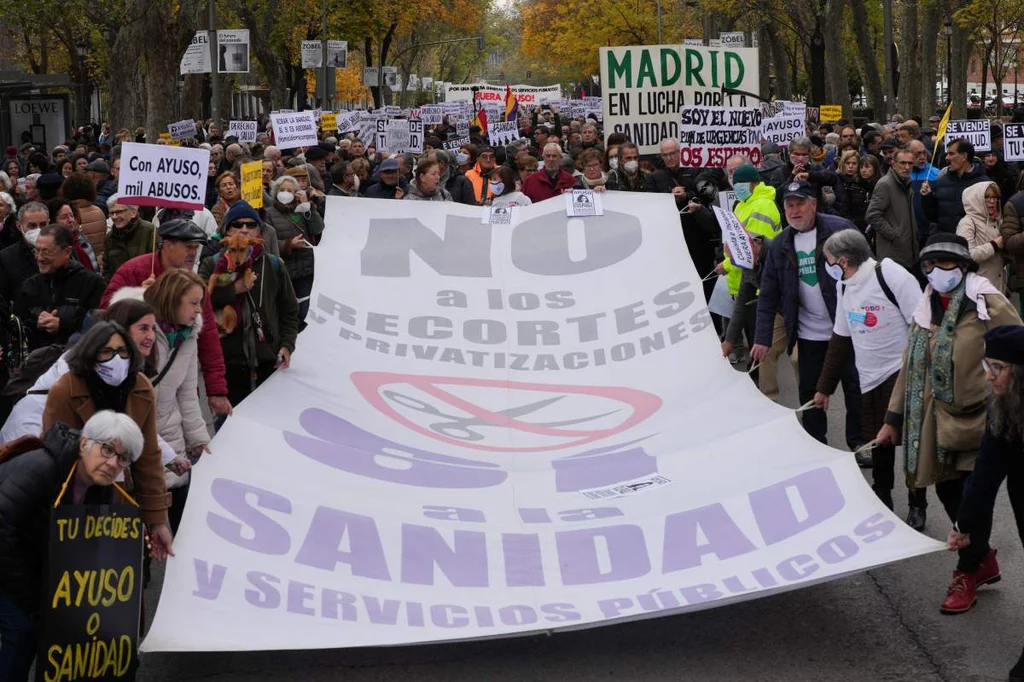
column 245, row 224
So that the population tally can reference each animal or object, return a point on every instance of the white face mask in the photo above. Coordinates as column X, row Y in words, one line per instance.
column 631, row 166
column 355, row 183
column 835, row 270
column 32, row 235
column 114, row 371
column 944, row 281
column 613, row 162
column 303, row 207
column 285, row 197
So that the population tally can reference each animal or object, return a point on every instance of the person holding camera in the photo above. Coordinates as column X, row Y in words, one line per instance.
column 828, row 188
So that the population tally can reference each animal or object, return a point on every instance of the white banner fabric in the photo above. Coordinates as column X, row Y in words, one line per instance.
column 489, row 432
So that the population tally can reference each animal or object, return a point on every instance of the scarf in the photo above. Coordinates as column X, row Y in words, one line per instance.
column 176, row 334
column 939, row 370
column 600, row 182
column 106, row 397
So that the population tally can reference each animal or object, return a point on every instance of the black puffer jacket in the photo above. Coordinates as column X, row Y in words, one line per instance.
column 30, row 478
column 72, row 291
column 17, row 263
column 858, row 195
column 289, row 225
column 944, row 205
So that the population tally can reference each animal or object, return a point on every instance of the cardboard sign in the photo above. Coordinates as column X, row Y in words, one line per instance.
column 161, row 175
column 347, row 120
column 295, row 129
column 399, row 136
column 735, row 238
column 431, row 114
column 502, row 132
column 328, row 121
column 1013, row 141
column 709, row 136
column 252, row 183
column 507, row 216
column 784, row 126
column 976, row 131
column 830, row 113
column 583, row 202
column 245, row 131
column 182, row 130
column 456, row 144
column 92, row 596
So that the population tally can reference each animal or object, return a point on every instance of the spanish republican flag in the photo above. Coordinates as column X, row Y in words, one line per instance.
column 511, row 105
column 480, row 120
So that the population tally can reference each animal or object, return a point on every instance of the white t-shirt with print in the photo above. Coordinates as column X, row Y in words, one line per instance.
column 814, row 323
column 877, row 328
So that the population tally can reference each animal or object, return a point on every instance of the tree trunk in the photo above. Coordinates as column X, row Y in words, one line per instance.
column 911, row 76
column 126, row 82
column 962, row 48
column 273, row 64
column 868, row 62
column 168, row 30
column 929, row 59
column 764, row 61
column 835, row 55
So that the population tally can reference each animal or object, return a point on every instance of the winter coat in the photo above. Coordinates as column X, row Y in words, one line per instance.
column 94, row 224
column 440, row 194
column 134, row 240
column 858, row 196
column 1012, row 230
column 623, row 182
column 274, row 297
column 379, row 190
column 917, row 178
column 211, row 359
column 72, row 291
column 70, row 402
column 539, row 186
column 890, row 216
column 31, row 474
column 980, row 232
column 780, row 280
column 664, row 180
column 818, row 177
column 758, row 214
column 944, row 204
column 1004, row 175
column 997, row 456
column 479, row 184
column 460, row 188
column 18, row 263
column 287, row 226
column 964, row 420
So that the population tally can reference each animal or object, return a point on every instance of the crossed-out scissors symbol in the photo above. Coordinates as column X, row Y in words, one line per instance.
column 459, row 427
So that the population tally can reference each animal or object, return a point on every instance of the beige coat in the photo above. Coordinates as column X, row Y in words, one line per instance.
column 979, row 230
column 94, row 226
column 959, row 427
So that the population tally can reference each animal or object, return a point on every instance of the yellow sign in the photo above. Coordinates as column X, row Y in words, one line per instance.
column 329, row 122
column 252, row 183
column 831, row 112
column 166, row 137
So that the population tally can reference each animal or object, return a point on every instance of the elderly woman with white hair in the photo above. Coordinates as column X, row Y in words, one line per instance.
column 63, row 467
column 298, row 226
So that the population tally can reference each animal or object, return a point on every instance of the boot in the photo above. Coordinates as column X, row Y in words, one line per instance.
column 961, row 594
column 1017, row 671
column 988, row 571
column 916, row 518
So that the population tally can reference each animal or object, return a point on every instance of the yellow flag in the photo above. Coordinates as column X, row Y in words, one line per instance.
column 252, row 183
column 943, row 124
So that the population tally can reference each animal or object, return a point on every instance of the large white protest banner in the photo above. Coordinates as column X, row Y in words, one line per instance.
column 976, row 131
column 645, row 88
column 527, row 95
column 708, row 136
column 502, row 132
column 197, row 55
column 400, row 136
column 233, row 49
column 312, row 54
column 245, row 131
column 296, row 129
column 491, row 432
column 162, row 175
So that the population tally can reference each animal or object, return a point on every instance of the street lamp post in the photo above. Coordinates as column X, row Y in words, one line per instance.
column 657, row 4
column 949, row 64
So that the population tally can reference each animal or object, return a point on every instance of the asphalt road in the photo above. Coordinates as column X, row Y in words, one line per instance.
column 883, row 625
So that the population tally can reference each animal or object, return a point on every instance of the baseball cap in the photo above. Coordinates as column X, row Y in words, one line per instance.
column 800, row 188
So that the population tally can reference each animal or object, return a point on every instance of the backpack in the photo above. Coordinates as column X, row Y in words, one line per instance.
column 882, row 283
column 35, row 365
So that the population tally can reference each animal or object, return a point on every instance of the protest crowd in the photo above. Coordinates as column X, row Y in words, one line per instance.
column 129, row 333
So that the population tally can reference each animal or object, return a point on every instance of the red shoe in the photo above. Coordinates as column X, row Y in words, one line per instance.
column 961, row 594
column 988, row 571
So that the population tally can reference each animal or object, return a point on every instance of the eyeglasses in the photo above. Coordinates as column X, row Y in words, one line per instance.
column 109, row 452
column 993, row 368
column 244, row 224
column 107, row 353
column 120, row 211
column 48, row 252
column 36, row 226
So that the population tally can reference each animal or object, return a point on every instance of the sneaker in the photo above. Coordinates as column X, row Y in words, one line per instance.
column 988, row 571
column 961, row 594
column 916, row 518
